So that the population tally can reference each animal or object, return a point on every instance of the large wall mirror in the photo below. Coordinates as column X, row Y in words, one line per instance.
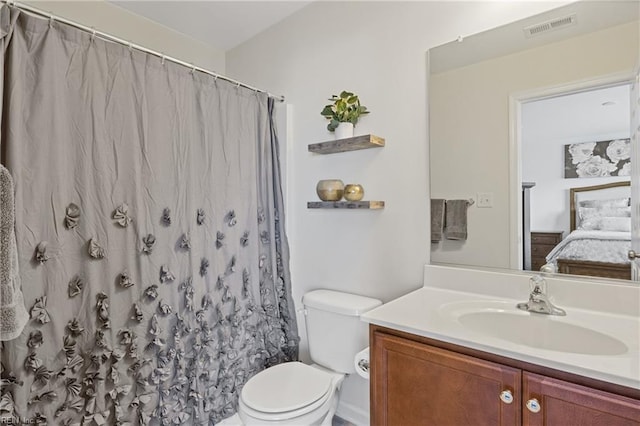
column 532, row 122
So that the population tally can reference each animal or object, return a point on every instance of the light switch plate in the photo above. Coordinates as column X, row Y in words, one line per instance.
column 485, row 199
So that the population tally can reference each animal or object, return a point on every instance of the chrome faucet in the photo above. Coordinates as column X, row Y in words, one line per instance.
column 538, row 300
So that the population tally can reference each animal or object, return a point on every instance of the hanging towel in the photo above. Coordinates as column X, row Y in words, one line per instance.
column 13, row 314
column 437, row 219
column 455, row 227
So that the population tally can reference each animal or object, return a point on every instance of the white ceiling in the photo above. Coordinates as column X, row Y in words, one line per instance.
column 580, row 115
column 590, row 16
column 221, row 24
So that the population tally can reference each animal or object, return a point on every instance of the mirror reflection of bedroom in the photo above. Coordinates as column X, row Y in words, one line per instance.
column 575, row 170
column 534, row 117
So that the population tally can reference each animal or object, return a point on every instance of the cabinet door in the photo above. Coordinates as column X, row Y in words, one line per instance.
column 565, row 404
column 416, row 384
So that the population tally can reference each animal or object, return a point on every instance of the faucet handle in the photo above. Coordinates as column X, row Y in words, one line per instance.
column 538, row 284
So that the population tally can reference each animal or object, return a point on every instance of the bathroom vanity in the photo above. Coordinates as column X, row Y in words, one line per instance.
column 416, row 380
column 446, row 355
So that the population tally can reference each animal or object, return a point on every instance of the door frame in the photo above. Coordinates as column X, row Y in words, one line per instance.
column 635, row 171
column 516, row 100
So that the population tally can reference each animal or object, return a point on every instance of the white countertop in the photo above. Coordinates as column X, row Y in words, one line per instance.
column 425, row 312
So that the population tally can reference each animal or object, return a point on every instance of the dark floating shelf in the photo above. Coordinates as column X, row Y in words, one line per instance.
column 371, row 205
column 347, row 144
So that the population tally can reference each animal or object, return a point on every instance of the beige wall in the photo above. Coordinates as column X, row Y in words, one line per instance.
column 111, row 19
column 469, row 117
column 378, row 50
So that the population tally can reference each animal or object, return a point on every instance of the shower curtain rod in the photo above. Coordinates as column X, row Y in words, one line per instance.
column 109, row 37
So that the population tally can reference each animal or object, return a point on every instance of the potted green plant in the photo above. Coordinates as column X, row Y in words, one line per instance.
column 343, row 114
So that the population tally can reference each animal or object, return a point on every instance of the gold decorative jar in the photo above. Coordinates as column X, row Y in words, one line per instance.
column 353, row 192
column 330, row 189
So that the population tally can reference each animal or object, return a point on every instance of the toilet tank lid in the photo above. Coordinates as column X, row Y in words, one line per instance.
column 339, row 302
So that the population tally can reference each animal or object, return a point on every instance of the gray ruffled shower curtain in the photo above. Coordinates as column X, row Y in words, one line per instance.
column 153, row 258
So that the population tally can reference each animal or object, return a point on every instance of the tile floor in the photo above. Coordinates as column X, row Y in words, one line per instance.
column 235, row 421
column 337, row 421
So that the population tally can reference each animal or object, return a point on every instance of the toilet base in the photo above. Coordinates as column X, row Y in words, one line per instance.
column 231, row 421
column 235, row 420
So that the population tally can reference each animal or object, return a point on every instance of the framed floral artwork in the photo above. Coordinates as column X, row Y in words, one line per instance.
column 598, row 159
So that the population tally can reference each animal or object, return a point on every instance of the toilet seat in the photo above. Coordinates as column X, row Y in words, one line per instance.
column 286, row 391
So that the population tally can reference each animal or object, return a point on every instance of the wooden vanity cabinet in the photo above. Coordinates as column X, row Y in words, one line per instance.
column 564, row 403
column 420, row 381
column 416, row 384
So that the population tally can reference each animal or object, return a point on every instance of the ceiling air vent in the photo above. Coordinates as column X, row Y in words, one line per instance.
column 553, row 24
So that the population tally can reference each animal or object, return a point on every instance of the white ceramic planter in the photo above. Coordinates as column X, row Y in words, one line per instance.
column 344, row 130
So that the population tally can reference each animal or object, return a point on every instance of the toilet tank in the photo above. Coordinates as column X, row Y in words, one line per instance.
column 334, row 329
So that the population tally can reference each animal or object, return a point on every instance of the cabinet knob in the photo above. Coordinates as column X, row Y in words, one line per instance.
column 506, row 396
column 533, row 405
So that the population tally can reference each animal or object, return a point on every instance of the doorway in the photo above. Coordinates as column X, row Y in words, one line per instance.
column 544, row 123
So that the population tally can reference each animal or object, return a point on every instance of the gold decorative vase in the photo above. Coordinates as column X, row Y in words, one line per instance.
column 353, row 192
column 330, row 189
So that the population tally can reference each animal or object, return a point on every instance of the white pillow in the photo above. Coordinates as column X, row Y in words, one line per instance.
column 585, row 213
column 622, row 224
column 612, row 202
column 607, row 223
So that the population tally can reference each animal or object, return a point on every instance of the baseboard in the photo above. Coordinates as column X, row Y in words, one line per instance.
column 353, row 414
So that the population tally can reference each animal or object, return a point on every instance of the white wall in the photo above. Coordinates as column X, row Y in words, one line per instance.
column 470, row 128
column 550, row 124
column 114, row 20
column 378, row 50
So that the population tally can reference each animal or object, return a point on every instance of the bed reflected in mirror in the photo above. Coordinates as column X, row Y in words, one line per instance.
column 600, row 233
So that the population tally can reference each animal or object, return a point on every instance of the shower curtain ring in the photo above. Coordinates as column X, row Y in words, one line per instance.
column 93, row 33
column 50, row 21
column 162, row 58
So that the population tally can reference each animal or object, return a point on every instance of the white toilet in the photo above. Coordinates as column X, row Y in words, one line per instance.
column 294, row 393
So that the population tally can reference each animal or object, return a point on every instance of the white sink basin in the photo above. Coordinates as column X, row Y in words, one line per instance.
column 504, row 321
column 599, row 337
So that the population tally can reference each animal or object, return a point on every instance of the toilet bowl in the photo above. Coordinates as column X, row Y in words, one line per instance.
column 292, row 393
